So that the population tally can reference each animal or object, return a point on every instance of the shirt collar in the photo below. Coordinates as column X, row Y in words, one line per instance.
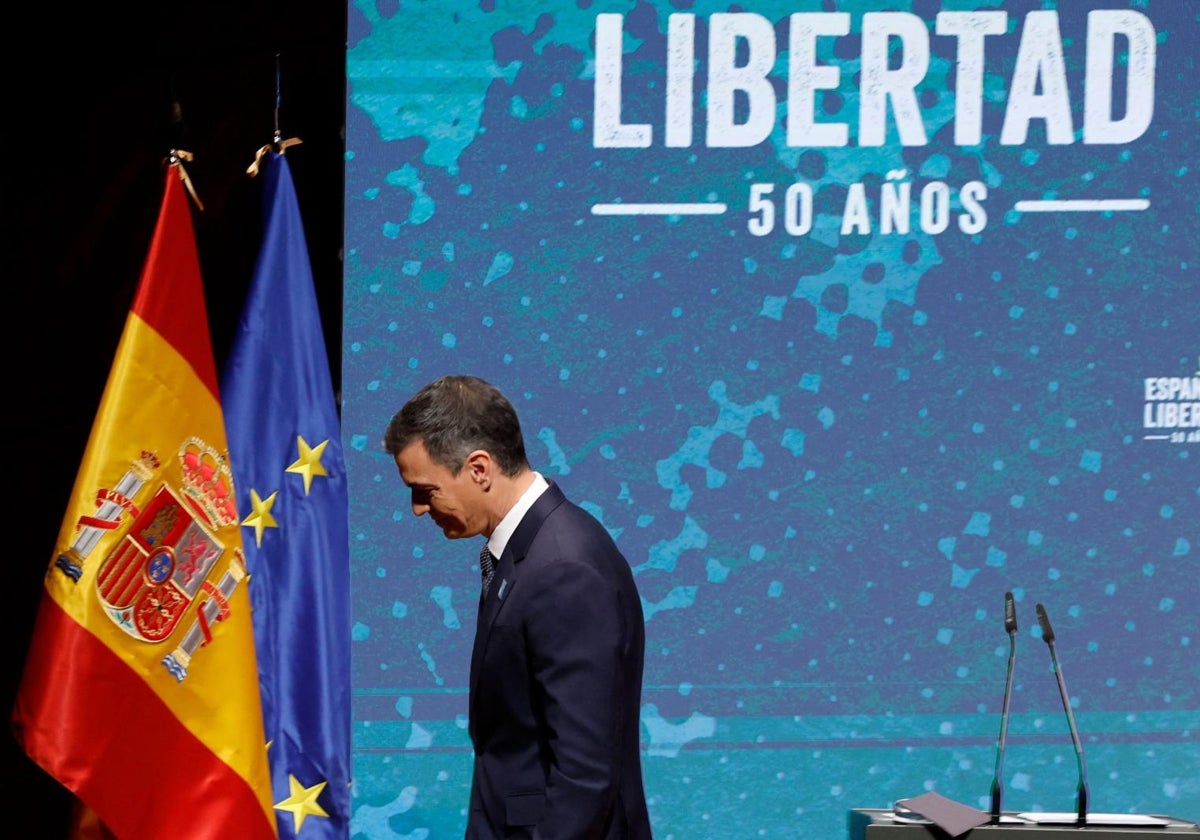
column 504, row 531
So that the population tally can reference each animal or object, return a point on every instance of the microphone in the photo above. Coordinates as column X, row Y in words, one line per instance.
column 1010, row 627
column 1048, row 638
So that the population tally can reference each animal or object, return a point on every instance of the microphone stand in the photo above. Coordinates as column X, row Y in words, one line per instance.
column 1010, row 625
column 1082, row 794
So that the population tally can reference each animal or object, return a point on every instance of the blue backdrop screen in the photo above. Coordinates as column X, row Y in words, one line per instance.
column 845, row 324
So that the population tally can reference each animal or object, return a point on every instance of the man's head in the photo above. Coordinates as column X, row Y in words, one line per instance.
column 458, row 446
column 456, row 415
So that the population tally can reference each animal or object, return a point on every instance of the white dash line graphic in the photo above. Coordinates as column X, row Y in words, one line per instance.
column 659, row 209
column 1082, row 205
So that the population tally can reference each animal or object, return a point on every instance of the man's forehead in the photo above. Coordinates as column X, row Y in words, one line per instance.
column 414, row 460
column 417, row 466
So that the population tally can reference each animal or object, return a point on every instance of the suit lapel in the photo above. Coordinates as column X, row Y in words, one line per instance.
column 531, row 523
column 507, row 573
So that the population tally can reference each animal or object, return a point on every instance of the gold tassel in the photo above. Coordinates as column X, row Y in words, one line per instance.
column 263, row 151
column 178, row 156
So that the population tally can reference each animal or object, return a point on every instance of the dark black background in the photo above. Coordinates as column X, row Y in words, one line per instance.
column 96, row 95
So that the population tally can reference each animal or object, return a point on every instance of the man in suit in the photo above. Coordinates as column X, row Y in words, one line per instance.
column 556, row 669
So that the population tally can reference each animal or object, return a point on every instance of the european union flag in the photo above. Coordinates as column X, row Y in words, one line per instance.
column 290, row 476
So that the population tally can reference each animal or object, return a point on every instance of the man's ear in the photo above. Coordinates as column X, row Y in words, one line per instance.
column 479, row 465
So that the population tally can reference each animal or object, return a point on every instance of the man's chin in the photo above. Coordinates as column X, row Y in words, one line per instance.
column 454, row 530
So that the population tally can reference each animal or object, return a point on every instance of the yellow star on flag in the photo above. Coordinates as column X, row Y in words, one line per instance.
column 309, row 462
column 260, row 515
column 302, row 802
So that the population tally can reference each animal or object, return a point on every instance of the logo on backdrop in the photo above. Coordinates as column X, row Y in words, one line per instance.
column 1171, row 411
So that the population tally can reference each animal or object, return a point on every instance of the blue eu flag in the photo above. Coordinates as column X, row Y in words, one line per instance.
column 290, row 476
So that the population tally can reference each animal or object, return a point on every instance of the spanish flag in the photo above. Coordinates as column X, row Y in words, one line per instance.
column 140, row 690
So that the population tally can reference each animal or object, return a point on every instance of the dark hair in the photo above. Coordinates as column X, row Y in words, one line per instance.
column 455, row 415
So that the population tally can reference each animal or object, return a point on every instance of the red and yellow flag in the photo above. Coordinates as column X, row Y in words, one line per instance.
column 140, row 690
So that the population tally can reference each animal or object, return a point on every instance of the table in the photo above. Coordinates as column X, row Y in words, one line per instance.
column 878, row 824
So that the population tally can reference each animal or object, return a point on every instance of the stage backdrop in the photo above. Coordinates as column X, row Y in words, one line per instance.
column 844, row 323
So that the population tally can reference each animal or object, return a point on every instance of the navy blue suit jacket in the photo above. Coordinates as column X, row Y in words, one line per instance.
column 556, row 681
